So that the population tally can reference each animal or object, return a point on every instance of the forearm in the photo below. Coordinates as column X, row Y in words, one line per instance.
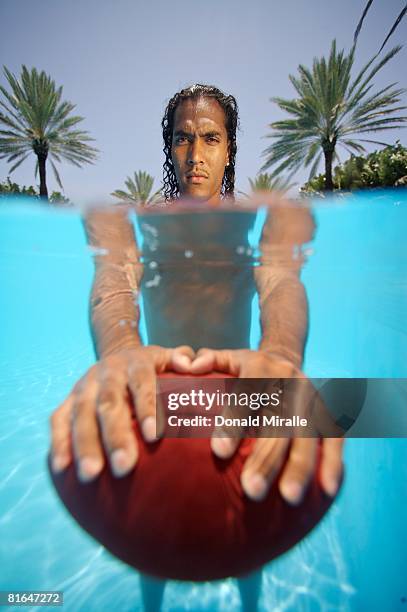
column 282, row 296
column 284, row 320
column 114, row 312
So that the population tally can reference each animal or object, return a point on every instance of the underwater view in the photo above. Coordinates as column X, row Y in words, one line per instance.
column 353, row 265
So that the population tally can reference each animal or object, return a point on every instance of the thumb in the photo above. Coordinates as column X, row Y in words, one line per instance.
column 181, row 358
column 204, row 361
column 209, row 360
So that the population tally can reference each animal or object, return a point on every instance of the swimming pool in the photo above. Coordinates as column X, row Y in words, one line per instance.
column 356, row 283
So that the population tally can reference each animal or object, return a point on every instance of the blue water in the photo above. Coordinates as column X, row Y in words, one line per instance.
column 356, row 279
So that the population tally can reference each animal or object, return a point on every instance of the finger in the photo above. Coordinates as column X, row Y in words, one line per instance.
column 86, row 440
column 60, row 423
column 298, row 470
column 209, row 360
column 164, row 359
column 226, row 438
column 142, row 385
column 203, row 351
column 157, row 357
column 231, row 362
column 223, row 446
column 262, row 466
column 331, row 465
column 204, row 361
column 181, row 358
column 114, row 415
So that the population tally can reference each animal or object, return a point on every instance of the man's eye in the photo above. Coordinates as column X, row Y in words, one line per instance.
column 212, row 139
column 180, row 139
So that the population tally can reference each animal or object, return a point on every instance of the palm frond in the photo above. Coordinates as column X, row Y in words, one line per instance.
column 266, row 182
column 139, row 189
column 396, row 23
column 378, row 142
column 122, row 195
column 359, row 26
column 35, row 118
column 56, row 174
column 18, row 163
column 314, row 167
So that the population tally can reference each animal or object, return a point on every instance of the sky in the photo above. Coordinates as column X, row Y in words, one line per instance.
column 120, row 61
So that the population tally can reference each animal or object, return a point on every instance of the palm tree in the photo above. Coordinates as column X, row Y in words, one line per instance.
column 139, row 190
column 329, row 111
column 266, row 182
column 36, row 121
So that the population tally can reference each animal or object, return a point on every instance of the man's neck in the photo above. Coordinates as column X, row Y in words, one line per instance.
column 213, row 201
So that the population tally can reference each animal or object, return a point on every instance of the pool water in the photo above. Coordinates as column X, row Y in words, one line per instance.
column 356, row 280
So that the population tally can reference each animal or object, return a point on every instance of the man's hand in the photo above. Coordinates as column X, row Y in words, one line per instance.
column 298, row 455
column 96, row 414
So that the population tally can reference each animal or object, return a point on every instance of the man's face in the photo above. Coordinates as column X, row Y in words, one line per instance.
column 199, row 149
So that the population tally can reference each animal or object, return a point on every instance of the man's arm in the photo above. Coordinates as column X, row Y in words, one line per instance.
column 94, row 421
column 282, row 296
column 114, row 311
column 284, row 320
column 284, row 317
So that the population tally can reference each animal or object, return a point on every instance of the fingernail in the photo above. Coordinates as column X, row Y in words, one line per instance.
column 120, row 462
column 148, row 427
column 59, row 463
column 292, row 492
column 331, row 486
column 254, row 485
column 89, row 468
column 222, row 447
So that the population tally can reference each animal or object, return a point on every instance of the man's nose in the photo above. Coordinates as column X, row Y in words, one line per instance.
column 195, row 153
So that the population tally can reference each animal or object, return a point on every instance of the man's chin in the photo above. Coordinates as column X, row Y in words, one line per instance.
column 196, row 196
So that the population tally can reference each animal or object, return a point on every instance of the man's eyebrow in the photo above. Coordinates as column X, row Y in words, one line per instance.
column 206, row 134
column 182, row 132
column 212, row 133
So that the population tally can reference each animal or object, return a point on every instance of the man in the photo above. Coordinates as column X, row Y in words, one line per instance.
column 199, row 130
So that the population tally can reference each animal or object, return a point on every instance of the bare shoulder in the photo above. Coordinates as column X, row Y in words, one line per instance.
column 289, row 223
column 110, row 231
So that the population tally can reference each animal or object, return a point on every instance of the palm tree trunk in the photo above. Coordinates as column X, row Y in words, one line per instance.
column 43, row 175
column 329, row 185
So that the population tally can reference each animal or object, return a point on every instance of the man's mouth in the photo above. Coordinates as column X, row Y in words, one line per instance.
column 196, row 178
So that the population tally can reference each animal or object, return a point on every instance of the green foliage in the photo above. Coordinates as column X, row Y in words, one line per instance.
column 33, row 119
column 331, row 109
column 385, row 168
column 57, row 197
column 7, row 188
column 139, row 190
